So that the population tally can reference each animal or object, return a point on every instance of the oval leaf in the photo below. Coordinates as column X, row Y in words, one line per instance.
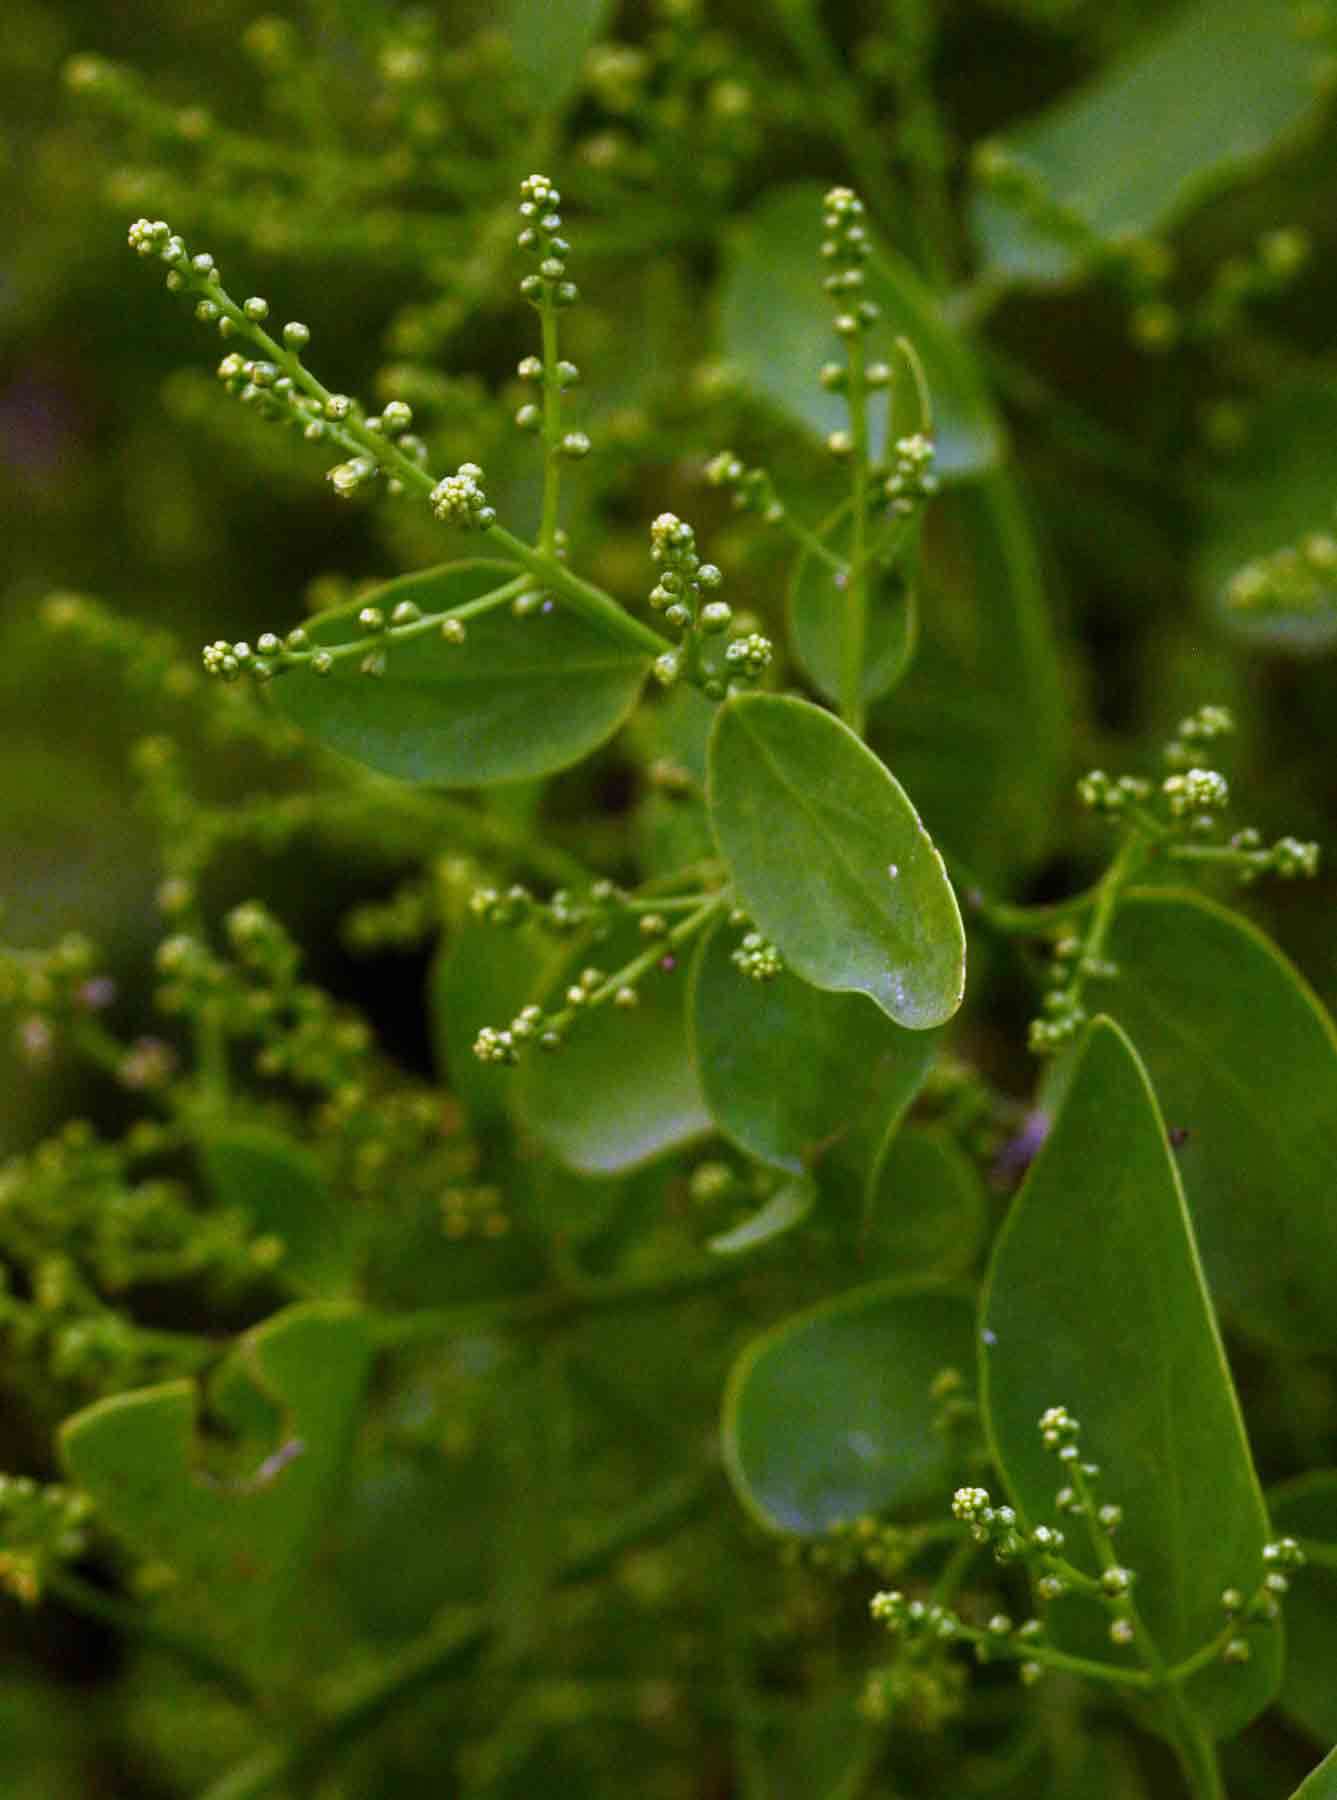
column 1096, row 1301
column 519, row 697
column 482, row 977
column 623, row 1088
column 776, row 331
column 787, row 1207
column 549, row 42
column 831, row 860
column 784, row 1066
column 239, row 1548
column 830, row 1415
column 280, row 1187
column 816, row 595
column 1207, row 97
column 977, row 729
column 926, row 1211
column 1243, row 1058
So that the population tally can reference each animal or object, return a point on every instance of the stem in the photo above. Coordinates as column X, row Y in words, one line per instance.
column 552, row 426
column 1197, row 1754
column 134, row 1622
column 442, row 1653
column 839, row 99
column 423, row 627
column 590, row 602
column 559, row 1306
column 856, row 592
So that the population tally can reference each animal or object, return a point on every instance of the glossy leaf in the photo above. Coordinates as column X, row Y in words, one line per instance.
column 280, row 1187
column 1096, row 1302
column 830, row 1416
column 1205, row 98
column 1322, row 1784
column 1277, row 489
column 816, row 600
column 804, row 1748
column 237, row 1546
column 623, row 1089
column 519, row 697
column 1306, row 1509
column 776, row 332
column 977, row 729
column 831, row 860
column 1244, row 1060
column 787, row 1207
column 483, row 976
column 784, row 1066
column 549, row 42
column 925, row 1211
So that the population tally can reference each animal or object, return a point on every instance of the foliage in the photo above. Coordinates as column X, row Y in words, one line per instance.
column 539, row 1249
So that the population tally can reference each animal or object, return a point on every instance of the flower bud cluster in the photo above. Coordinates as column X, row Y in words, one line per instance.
column 846, row 250
column 49, row 992
column 1299, row 578
column 540, row 237
column 911, row 480
column 459, row 500
column 1102, row 793
column 1208, row 725
column 752, row 490
column 757, row 958
column 39, row 1526
column 862, row 1543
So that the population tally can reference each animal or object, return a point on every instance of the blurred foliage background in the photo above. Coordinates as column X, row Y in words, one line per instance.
column 357, row 163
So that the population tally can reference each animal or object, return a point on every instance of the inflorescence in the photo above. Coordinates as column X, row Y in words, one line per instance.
column 1177, row 819
column 923, row 1628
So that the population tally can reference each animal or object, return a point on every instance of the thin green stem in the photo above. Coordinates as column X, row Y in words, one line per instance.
column 809, row 541
column 496, row 597
column 639, row 966
column 1020, row 921
column 837, row 95
column 854, row 641
column 1196, row 1752
column 556, row 1307
column 552, row 426
column 591, row 602
column 136, row 1623
column 449, row 1650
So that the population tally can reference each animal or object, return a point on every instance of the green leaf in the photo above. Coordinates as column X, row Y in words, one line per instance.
column 549, row 42
column 1306, row 1508
column 776, row 332
column 1243, row 1058
column 824, row 1746
column 482, row 976
column 1190, row 111
column 787, row 1207
column 1096, row 1301
column 830, row 1415
column 1322, row 1784
column 238, row 1547
column 784, row 1066
column 1277, row 489
column 926, row 1210
column 831, row 860
column 816, row 599
column 623, row 1089
column 519, row 697
column 279, row 1185
column 977, row 729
